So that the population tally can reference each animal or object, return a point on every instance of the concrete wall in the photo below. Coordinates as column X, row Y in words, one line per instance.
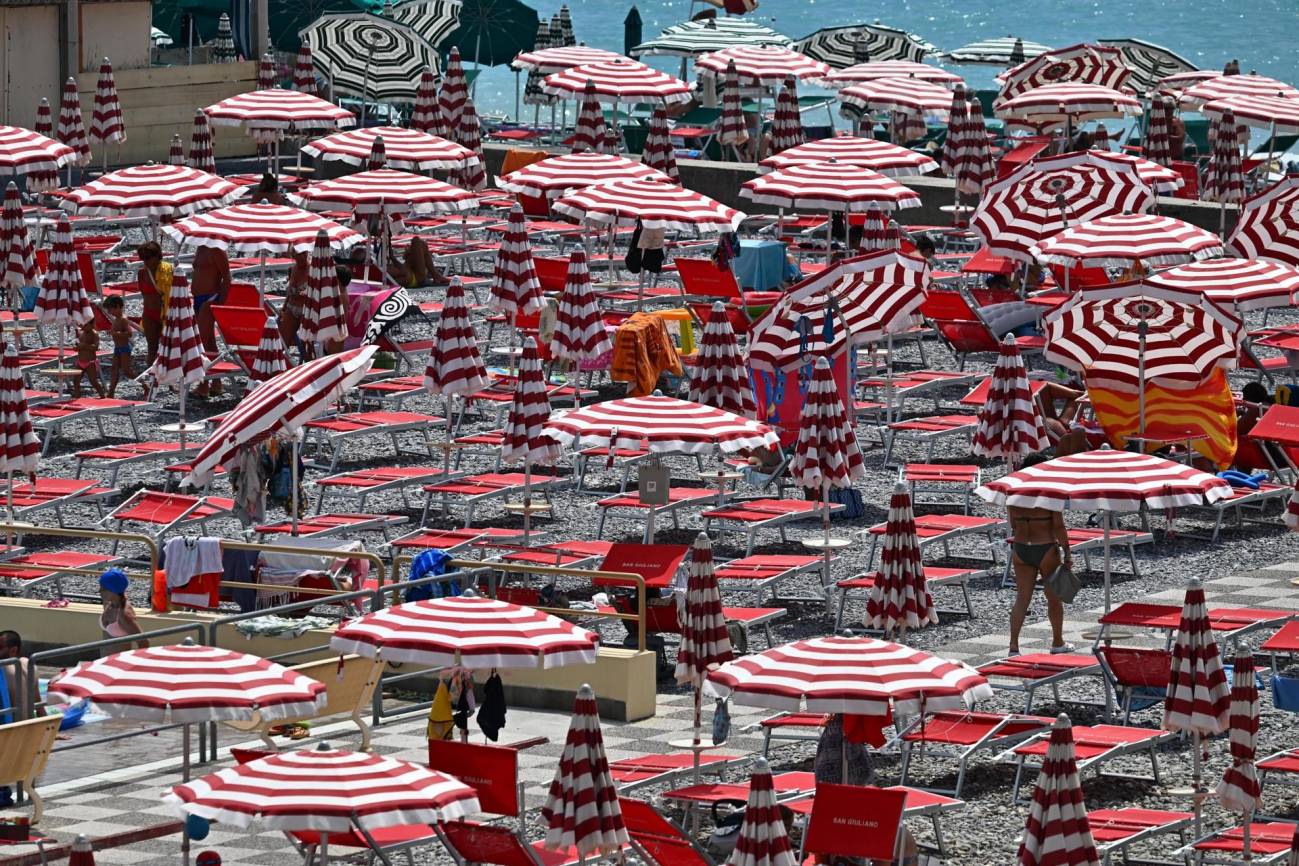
column 119, row 31
column 29, row 62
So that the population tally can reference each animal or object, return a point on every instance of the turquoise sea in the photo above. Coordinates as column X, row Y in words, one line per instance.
column 1262, row 34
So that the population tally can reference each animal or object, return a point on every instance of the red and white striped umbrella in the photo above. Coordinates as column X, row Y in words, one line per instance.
column 72, row 129
column 732, row 129
column 469, row 134
column 903, row 126
column 44, row 124
column 1010, row 426
column 266, row 72
column 721, row 378
column 762, row 66
column 1239, row 790
column 24, row 152
column 899, row 598
column 281, row 405
column 405, row 149
column 327, row 790
column 1152, row 174
column 17, row 261
column 516, row 290
column 557, row 175
column 657, row 205
column 279, row 110
column 907, row 95
column 854, row 302
column 581, row 812
column 525, row 436
column 106, row 123
column 386, row 191
column 201, row 155
column 704, row 641
column 176, row 153
column 186, row 683
column 849, row 675
column 663, row 425
column 579, row 328
column 1199, row 699
column 378, row 156
column 829, row 186
column 269, row 360
column 826, row 453
column 548, row 60
column 977, row 144
column 180, row 361
column 1043, row 197
column 1068, row 102
column 253, row 229
column 62, row 298
column 455, row 366
column 1224, row 180
column 20, row 447
column 1056, row 832
column 1173, row 85
column 876, row 69
column 588, row 130
column 658, row 153
column 1099, row 332
column 152, row 191
column 1084, row 63
column 763, row 839
column 1237, row 284
column 787, row 122
column 304, row 71
column 967, row 156
column 889, row 160
column 453, row 93
column 324, row 304
column 1106, row 480
column 1118, row 240
column 1231, row 86
column 1268, row 226
column 875, row 232
column 1158, row 147
column 1267, row 112
column 468, row 631
column 425, row 115
column 619, row 80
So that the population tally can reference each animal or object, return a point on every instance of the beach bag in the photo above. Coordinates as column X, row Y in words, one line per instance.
column 850, row 498
column 29, row 294
column 721, row 723
column 1063, row 583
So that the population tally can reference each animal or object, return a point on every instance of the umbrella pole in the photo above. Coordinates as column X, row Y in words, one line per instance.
column 612, row 226
column 1142, row 329
column 527, row 499
column 517, row 103
column 261, row 280
column 63, row 335
column 184, row 392
column 758, row 149
column 1271, row 151
column 9, row 503
column 640, row 290
column 829, row 235
column 293, row 470
column 1197, row 805
column 1105, row 529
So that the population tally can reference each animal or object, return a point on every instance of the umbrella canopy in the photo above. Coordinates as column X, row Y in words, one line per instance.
column 1173, row 85
column 581, row 811
column 1149, row 63
column 1229, row 86
column 254, row 229
column 1118, row 240
column 532, row 92
column 1199, row 699
column 279, row 110
column 588, row 131
column 619, row 80
column 516, row 290
column 189, row 683
column 1157, row 144
column 732, row 128
column 425, row 117
column 324, row 307
column 1239, row 790
column 180, row 361
column 328, row 790
column 763, row 840
column 493, row 32
column 71, row 129
column 1099, row 332
column 1056, row 830
column 1268, row 226
column 657, row 206
column 44, row 124
column 269, row 360
column 468, row 631
column 561, row 57
column 281, row 405
column 525, row 437
column 967, row 156
column 106, row 124
column 658, row 153
column 432, row 20
column 1010, row 426
column 370, row 56
column 720, row 377
column 62, row 298
column 1236, row 284
column 829, row 186
column 761, row 67
column 845, row 46
column 1000, row 51
column 890, row 160
column 1068, row 102
column 554, row 176
column 223, row 45
column 385, row 191
column 453, row 94
column 201, row 155
column 849, row 675
column 470, row 134
column 899, row 598
column 875, row 234
column 1152, row 174
column 909, row 96
column 266, row 72
column 692, row 38
column 876, row 69
column 404, row 149
column 579, row 327
column 17, row 260
column 304, row 71
column 853, row 302
column 1080, row 64
column 176, row 152
column 662, row 425
column 152, row 191
column 20, row 447
column 455, row 365
column 826, row 453
column 787, row 123
column 1268, row 112
column 1043, row 197
column 30, row 154
column 704, row 642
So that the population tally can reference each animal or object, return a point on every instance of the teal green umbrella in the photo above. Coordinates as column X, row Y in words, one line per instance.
column 492, row 32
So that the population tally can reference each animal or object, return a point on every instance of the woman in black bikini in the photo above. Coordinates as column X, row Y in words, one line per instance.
column 1039, row 537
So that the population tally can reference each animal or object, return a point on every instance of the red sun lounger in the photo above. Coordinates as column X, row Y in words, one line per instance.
column 1094, row 746
column 335, row 523
column 471, row 491
column 928, row 431
column 791, row 728
column 750, row 516
column 451, row 540
column 1116, row 830
column 936, row 577
column 113, row 458
column 854, row 801
column 494, row 845
column 159, row 513
column 786, row 785
column 762, row 572
column 333, row 434
column 944, row 529
column 54, row 494
column 624, row 459
column 894, row 391
column 960, row 736
column 943, row 479
column 631, row 773
column 393, row 391
column 678, row 498
column 52, row 417
column 566, row 554
column 1231, row 622
column 364, row 483
column 1031, row 671
column 1269, row 843
column 657, row 839
column 1137, row 675
column 28, row 571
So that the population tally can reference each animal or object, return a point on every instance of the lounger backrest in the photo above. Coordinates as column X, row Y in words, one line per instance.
column 240, row 327
column 243, row 295
column 86, row 268
column 1136, row 667
column 349, row 681
column 654, row 562
column 855, row 821
column 947, row 305
column 657, row 837
column 492, row 771
column 486, row 843
column 552, row 273
column 702, row 277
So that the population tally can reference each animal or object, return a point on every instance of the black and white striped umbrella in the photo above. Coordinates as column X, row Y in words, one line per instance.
column 370, row 56
column 710, row 34
column 843, row 46
column 1149, row 62
column 434, row 20
column 1002, row 51
column 223, row 45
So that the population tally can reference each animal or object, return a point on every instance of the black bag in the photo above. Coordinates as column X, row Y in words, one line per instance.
column 850, row 498
column 1063, row 583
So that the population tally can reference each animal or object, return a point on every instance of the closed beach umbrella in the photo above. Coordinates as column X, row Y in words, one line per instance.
column 106, row 124
column 403, row 149
column 1056, row 831
column 721, row 378
column 30, row 154
column 787, row 123
column 20, row 447
column 525, row 438
column 588, row 130
column 581, row 812
column 977, row 147
column 176, row 153
column 888, row 159
column 515, row 289
column 554, row 176
column 469, row 134
column 875, row 232
column 732, row 129
column 1239, row 790
column 72, row 129
column 180, row 362
column 1268, row 226
column 899, row 599
column 201, row 155
column 453, row 94
column 304, row 71
column 455, row 366
column 826, row 454
column 324, row 309
column 704, row 642
column 17, row 260
column 155, row 191
column 1010, row 426
column 269, row 361
column 763, row 840
column 426, row 114
column 659, row 154
column 532, row 92
column 266, row 72
column 223, row 45
column 579, row 328
column 378, row 156
column 1120, row 239
column 1157, row 144
column 62, row 298
column 44, row 119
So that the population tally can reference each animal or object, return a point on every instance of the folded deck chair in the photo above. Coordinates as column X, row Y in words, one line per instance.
column 659, row 840
column 113, row 458
column 1029, row 672
column 25, row 749
column 53, row 494
column 53, row 416
column 942, row 479
column 30, row 570
column 363, row 483
column 471, row 491
column 944, row 529
column 959, row 736
column 1094, row 746
column 936, row 577
column 333, row 434
column 1137, row 675
column 631, row 773
column 751, row 516
column 678, row 498
column 335, row 523
column 1269, row 842
column 1115, row 830
column 155, row 513
column 762, row 572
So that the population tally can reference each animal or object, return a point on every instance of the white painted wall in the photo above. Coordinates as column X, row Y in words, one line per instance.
column 118, row 31
column 29, row 61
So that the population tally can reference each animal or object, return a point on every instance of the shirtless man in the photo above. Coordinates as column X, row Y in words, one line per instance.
column 209, row 284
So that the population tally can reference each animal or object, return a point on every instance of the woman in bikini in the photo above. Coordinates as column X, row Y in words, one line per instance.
column 154, row 282
column 1039, row 538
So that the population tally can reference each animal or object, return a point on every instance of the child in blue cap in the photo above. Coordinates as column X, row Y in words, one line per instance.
column 118, row 618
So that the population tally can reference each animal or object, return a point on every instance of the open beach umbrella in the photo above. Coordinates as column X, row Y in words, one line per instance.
column 875, row 69
column 826, row 454
column 588, row 129
column 1159, row 178
column 1268, row 225
column 579, row 328
column 1056, row 830
column 999, row 51
column 44, row 124
column 470, row 135
column 1173, row 85
column 581, row 812
column 1148, row 62
column 1228, row 86
column 72, row 129
column 324, row 308
column 829, row 186
column 910, row 96
column 453, row 93
column 455, row 366
column 404, row 149
column 557, row 58
column 154, row 191
column 1079, row 64
column 659, row 154
column 532, row 92
column 304, row 71
column 425, row 115
column 787, row 122
column 266, row 72
column 1239, row 285
column 17, row 259
column 269, row 360
column 1009, row 424
column 657, row 205
column 763, row 839
column 515, row 289
column 176, row 153
column 1120, row 239
column 618, row 80
column 279, row 110
column 1157, row 144
column 34, row 156
column 200, row 154
column 846, row 45
column 692, row 38
column 1239, row 790
column 721, row 378
column 555, row 176
column 760, row 68
column 888, row 159
column 106, row 124
column 732, row 129
column 259, row 229
column 467, row 631
column 525, row 438
column 1067, row 104
column 20, row 447
column 385, row 191
column 492, row 32
column 1279, row 114
column 661, row 425
column 180, row 362
column 899, row 599
column 370, row 56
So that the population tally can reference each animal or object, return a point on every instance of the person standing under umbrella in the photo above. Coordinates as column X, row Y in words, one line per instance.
column 1040, row 545
column 154, row 281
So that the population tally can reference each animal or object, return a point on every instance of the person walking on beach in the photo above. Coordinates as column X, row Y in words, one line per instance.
column 1040, row 543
